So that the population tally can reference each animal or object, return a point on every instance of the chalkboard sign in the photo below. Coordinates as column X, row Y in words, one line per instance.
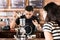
column 36, row 3
column 17, row 4
column 3, row 4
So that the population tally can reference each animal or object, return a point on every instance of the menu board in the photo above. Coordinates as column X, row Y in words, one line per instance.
column 17, row 4
column 3, row 4
column 36, row 3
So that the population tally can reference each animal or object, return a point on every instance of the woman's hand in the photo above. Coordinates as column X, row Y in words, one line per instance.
column 48, row 35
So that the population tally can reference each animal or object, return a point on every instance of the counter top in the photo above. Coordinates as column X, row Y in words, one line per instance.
column 15, row 39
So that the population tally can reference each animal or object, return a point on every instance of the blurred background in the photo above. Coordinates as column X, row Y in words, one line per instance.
column 9, row 8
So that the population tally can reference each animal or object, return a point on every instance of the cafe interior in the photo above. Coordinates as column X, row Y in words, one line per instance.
column 9, row 9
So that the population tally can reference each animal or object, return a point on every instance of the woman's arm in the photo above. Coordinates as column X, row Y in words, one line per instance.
column 48, row 35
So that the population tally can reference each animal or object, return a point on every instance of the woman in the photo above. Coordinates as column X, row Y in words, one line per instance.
column 52, row 26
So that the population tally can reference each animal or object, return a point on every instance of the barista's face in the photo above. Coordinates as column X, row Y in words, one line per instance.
column 28, row 14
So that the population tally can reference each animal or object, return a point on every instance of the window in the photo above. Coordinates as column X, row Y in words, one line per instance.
column 36, row 3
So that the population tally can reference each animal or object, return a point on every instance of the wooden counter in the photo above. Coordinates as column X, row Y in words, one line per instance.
column 7, row 34
column 15, row 39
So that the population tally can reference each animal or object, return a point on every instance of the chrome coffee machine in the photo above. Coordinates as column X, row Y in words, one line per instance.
column 20, row 31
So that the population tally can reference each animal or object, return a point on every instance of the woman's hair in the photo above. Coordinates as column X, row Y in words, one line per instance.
column 53, row 12
column 51, row 9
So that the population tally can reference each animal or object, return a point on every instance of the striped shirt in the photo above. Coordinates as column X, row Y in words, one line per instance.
column 53, row 28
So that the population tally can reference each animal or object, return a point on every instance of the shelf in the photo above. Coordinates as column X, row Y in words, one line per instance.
column 11, row 9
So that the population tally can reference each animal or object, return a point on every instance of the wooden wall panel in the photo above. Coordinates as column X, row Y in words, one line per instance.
column 48, row 1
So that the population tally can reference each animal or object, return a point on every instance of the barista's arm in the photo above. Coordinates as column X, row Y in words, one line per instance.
column 2, row 24
column 38, row 26
column 13, row 22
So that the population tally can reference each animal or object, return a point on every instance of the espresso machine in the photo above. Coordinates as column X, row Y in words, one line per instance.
column 20, row 31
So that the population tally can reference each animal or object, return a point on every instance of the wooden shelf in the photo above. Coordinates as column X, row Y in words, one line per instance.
column 11, row 9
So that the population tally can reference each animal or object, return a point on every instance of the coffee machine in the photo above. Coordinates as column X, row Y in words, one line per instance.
column 20, row 31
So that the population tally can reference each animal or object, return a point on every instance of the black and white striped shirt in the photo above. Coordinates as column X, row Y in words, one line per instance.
column 53, row 28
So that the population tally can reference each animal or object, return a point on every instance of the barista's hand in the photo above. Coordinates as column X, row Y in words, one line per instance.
column 16, row 15
column 35, row 22
column 37, row 25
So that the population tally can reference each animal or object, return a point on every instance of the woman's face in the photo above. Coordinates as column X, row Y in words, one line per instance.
column 58, row 18
column 58, row 14
column 44, row 14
